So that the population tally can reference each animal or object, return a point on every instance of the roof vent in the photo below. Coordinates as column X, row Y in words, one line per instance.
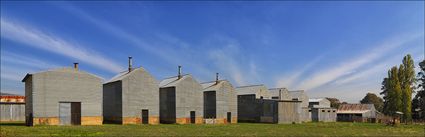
column 76, row 66
column 180, row 72
column 130, row 63
column 216, row 78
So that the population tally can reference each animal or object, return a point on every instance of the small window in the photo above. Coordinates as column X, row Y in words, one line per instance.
column 329, row 111
column 309, row 110
column 334, row 111
column 323, row 110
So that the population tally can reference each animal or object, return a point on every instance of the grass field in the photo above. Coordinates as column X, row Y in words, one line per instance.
column 241, row 129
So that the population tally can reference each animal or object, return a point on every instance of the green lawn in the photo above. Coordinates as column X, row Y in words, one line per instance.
column 241, row 129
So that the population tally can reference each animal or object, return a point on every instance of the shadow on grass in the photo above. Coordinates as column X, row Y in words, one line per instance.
column 12, row 124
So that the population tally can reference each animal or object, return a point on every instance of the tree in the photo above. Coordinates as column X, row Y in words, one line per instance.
column 334, row 102
column 393, row 92
column 385, row 88
column 407, row 80
column 372, row 98
column 419, row 100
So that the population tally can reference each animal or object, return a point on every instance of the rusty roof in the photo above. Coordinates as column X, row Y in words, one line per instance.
column 355, row 108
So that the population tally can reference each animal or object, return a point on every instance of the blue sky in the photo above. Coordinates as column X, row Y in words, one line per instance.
column 329, row 49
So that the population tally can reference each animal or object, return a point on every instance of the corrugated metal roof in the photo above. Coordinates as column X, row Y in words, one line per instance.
column 172, row 81
column 355, row 108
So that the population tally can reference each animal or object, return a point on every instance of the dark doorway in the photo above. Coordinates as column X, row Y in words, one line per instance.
column 229, row 117
column 76, row 113
column 210, row 104
column 29, row 120
column 145, row 116
column 192, row 117
column 167, row 105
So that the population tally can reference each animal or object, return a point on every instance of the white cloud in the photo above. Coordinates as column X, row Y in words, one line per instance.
column 38, row 39
column 349, row 66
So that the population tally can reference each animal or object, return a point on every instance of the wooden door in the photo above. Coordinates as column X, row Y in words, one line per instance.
column 76, row 113
column 145, row 116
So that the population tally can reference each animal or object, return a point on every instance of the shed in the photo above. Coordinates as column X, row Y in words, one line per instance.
column 12, row 107
column 220, row 101
column 63, row 96
column 131, row 97
column 300, row 95
column 180, row 100
column 356, row 112
column 319, row 102
column 321, row 111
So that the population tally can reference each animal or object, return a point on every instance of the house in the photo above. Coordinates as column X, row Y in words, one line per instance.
column 131, row 97
column 321, row 111
column 257, row 106
column 300, row 95
column 63, row 96
column 12, row 107
column 220, row 101
column 356, row 112
column 180, row 100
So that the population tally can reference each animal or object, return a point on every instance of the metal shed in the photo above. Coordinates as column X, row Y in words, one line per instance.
column 300, row 95
column 12, row 107
column 321, row 110
column 131, row 97
column 180, row 100
column 63, row 96
column 220, row 102
column 356, row 112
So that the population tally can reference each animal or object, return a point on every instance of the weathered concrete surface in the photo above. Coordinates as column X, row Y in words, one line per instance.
column 224, row 102
column 300, row 95
column 260, row 91
column 323, row 114
column 128, row 93
column 44, row 91
column 186, row 97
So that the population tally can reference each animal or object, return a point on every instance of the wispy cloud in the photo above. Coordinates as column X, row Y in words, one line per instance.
column 42, row 40
column 349, row 66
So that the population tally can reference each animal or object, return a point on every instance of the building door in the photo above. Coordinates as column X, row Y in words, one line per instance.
column 145, row 116
column 229, row 117
column 192, row 117
column 210, row 105
column 167, row 105
column 76, row 113
column 65, row 113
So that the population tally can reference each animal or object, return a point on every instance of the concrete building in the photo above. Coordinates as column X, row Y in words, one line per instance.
column 63, row 96
column 300, row 95
column 180, row 100
column 321, row 111
column 260, row 91
column 356, row 112
column 131, row 97
column 256, row 106
column 220, row 102
column 280, row 93
column 12, row 107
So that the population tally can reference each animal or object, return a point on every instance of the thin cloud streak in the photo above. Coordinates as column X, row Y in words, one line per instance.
column 330, row 74
column 41, row 40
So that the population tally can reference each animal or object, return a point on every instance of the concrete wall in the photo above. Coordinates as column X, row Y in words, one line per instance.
column 188, row 98
column 140, row 91
column 226, row 101
column 65, row 85
column 289, row 112
column 323, row 114
column 12, row 112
